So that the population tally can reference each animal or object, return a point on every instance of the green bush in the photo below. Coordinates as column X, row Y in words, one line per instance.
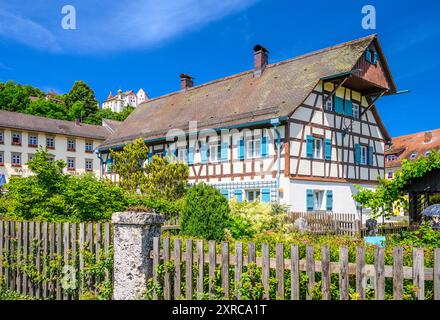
column 159, row 205
column 251, row 218
column 205, row 213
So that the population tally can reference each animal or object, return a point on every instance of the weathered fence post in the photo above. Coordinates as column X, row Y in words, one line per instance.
column 133, row 242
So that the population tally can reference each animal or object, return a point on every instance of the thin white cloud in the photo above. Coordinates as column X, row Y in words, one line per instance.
column 26, row 31
column 5, row 67
column 112, row 26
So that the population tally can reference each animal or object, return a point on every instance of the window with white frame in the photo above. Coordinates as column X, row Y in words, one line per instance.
column 317, row 148
column 318, row 196
column 70, row 144
column 2, row 136
column 390, row 174
column 89, row 146
column 89, row 165
column 70, row 163
column 16, row 159
column 253, row 148
column 2, row 157
column 214, row 152
column 33, row 140
column 50, row 142
column 328, row 102
column 30, row 156
column 413, row 155
column 427, row 153
column 252, row 195
column 182, row 155
column 16, row 138
column 356, row 110
column 364, row 155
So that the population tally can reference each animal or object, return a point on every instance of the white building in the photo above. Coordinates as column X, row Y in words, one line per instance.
column 75, row 143
column 303, row 131
column 118, row 102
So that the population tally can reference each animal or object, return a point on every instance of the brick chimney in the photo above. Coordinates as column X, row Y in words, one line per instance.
column 186, row 81
column 261, row 58
column 428, row 137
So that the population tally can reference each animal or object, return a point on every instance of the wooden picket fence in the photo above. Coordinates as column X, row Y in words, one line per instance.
column 204, row 264
column 328, row 222
column 39, row 242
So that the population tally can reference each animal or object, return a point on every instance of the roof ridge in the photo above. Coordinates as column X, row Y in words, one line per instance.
column 415, row 133
column 274, row 64
column 46, row 118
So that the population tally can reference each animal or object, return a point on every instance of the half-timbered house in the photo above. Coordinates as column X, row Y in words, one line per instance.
column 303, row 131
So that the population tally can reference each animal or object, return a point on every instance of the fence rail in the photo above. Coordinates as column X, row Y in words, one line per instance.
column 46, row 260
column 191, row 269
column 328, row 222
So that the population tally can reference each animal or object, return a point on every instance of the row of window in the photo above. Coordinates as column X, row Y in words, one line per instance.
column 342, row 106
column 16, row 139
column 216, row 152
column 315, row 200
column 16, row 161
column 392, row 157
column 250, row 195
column 320, row 148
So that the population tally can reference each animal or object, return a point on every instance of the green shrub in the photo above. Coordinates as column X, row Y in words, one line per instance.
column 205, row 213
column 159, row 205
column 251, row 218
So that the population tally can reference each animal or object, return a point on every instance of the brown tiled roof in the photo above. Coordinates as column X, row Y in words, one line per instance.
column 240, row 98
column 21, row 121
column 112, row 124
column 404, row 146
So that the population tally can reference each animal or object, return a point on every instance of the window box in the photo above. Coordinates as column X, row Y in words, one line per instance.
column 71, row 149
column 89, row 151
column 71, row 169
column 2, row 142
column 17, row 165
column 2, row 164
column 32, row 145
column 51, row 148
column 89, row 170
column 16, row 143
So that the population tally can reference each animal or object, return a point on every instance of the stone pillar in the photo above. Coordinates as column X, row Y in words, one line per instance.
column 132, row 242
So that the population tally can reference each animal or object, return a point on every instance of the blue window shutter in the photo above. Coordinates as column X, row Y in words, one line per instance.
column 225, row 193
column 190, row 155
column 370, row 156
column 109, row 165
column 238, row 194
column 164, row 153
column 357, row 154
column 368, row 55
column 375, row 57
column 309, row 147
column 328, row 149
column 309, row 200
column 264, row 147
column 329, row 205
column 176, row 152
column 224, row 151
column 204, row 153
column 339, row 105
column 265, row 195
column 150, row 157
column 348, row 108
column 241, row 150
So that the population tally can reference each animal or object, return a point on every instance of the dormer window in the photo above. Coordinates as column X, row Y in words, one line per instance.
column 413, row 155
column 391, row 157
column 371, row 56
column 427, row 153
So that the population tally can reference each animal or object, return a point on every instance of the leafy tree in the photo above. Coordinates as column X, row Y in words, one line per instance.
column 83, row 93
column 392, row 192
column 205, row 213
column 15, row 97
column 129, row 164
column 165, row 178
column 96, row 118
column 160, row 178
column 53, row 196
column 49, row 109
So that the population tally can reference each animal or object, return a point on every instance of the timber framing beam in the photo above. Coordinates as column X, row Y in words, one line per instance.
column 330, row 96
column 373, row 102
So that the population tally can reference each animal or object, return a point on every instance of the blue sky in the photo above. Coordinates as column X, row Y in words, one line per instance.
column 133, row 44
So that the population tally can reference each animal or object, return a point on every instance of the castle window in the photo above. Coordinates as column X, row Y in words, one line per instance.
column 413, row 155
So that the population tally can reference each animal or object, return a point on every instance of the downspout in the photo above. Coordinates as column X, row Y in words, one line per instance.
column 275, row 123
column 98, row 155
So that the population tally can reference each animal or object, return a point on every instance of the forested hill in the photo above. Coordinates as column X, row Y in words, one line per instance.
column 79, row 102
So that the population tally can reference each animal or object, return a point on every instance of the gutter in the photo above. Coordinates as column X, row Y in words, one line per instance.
column 242, row 125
